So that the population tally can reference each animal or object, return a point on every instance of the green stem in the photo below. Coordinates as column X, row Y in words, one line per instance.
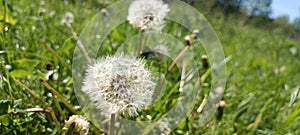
column 112, row 124
column 8, row 82
column 177, row 59
column 182, row 53
column 55, row 120
column 152, row 125
column 59, row 108
column 79, row 43
column 31, row 92
column 59, row 58
column 175, row 86
column 205, row 75
column 54, row 92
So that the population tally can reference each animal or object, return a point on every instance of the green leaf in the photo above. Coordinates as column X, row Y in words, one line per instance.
column 4, row 119
column 23, row 67
column 4, row 106
column 289, row 120
column 184, row 125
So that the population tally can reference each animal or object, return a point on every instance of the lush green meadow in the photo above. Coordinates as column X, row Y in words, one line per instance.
column 262, row 73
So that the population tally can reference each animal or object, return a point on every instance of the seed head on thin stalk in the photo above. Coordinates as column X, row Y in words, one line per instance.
column 119, row 84
column 147, row 14
column 68, row 18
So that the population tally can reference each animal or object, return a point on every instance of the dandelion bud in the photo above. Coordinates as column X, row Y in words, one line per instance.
column 188, row 40
column 222, row 104
column 104, row 12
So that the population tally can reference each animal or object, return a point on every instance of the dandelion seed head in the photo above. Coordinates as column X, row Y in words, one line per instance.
column 80, row 123
column 68, row 18
column 147, row 14
column 119, row 84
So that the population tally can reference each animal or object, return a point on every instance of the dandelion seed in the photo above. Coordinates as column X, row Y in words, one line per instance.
column 147, row 14
column 77, row 124
column 68, row 18
column 119, row 84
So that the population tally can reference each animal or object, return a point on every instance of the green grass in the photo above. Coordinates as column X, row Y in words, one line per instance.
column 261, row 76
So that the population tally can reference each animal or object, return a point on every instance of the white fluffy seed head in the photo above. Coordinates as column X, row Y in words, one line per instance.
column 79, row 123
column 68, row 18
column 148, row 14
column 119, row 84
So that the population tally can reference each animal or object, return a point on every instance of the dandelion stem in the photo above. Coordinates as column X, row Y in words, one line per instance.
column 59, row 108
column 152, row 125
column 203, row 103
column 112, row 124
column 205, row 75
column 8, row 81
column 79, row 43
column 177, row 59
column 54, row 92
column 182, row 82
column 176, row 85
column 169, row 70
column 31, row 92
column 55, row 120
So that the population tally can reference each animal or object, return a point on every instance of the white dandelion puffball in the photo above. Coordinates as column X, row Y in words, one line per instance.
column 147, row 14
column 119, row 84
column 68, row 18
column 80, row 124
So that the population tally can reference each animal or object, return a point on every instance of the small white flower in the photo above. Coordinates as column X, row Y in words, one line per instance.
column 77, row 124
column 147, row 14
column 119, row 84
column 68, row 18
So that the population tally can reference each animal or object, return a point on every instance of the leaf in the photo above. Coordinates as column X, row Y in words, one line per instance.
column 184, row 125
column 5, row 18
column 4, row 106
column 23, row 67
column 289, row 120
column 4, row 119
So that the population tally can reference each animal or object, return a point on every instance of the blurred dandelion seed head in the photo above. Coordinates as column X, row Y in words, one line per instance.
column 80, row 124
column 119, row 84
column 68, row 18
column 148, row 14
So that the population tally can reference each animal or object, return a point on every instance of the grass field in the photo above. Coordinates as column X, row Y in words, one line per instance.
column 262, row 75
